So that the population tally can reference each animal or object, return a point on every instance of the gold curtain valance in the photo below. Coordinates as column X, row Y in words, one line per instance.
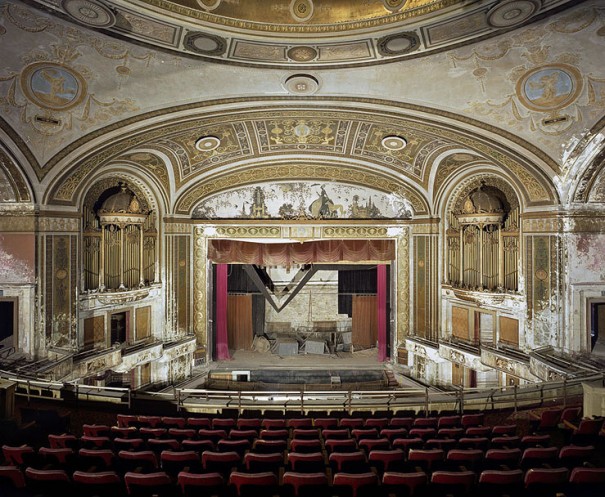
column 290, row 254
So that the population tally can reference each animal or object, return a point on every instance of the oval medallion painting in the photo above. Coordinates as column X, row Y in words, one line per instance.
column 52, row 86
column 549, row 87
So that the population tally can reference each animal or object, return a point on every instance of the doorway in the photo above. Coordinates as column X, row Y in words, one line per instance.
column 597, row 323
column 119, row 327
column 8, row 323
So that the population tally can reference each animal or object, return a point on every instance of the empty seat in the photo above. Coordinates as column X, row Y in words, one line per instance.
column 500, row 482
column 173, row 422
column 454, row 433
column 269, row 446
column 253, row 484
column 355, row 485
column 406, row 444
column 48, row 482
column 427, row 459
column 62, row 441
column 505, row 442
column 536, row 441
column 248, row 423
column 401, row 422
column 500, row 430
column 424, row 433
column 351, row 423
column 256, row 463
column 478, row 431
column 404, row 484
column 393, row 433
column 473, row 443
column 96, row 430
column 95, row 459
column 98, row 484
column 469, row 420
column 11, row 477
column 299, row 423
column 586, row 482
column 128, row 444
column 386, row 460
column 378, row 423
column 445, row 444
column 340, row 445
column 147, row 432
column 348, row 462
column 175, row 462
column 127, row 420
column 502, row 458
column 586, row 431
column 195, row 485
column 149, row 484
column 471, row 459
column 572, row 456
column 276, row 434
column 452, row 483
column 306, row 463
column 273, row 424
column 60, row 458
column 123, row 432
column 305, row 433
column 19, row 456
column 213, row 434
column 374, row 444
column 149, row 421
column 198, row 423
column 159, row 444
column 335, row 433
column 448, row 422
column 198, row 446
column 543, row 482
column 144, row 461
column 538, row 456
column 546, row 420
column 239, row 446
column 307, row 446
column 306, row 484
column 220, row 462
column 181, row 434
column 91, row 442
column 364, row 433
column 223, row 424
column 325, row 423
column 429, row 422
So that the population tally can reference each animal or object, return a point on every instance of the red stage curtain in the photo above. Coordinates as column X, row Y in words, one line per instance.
column 289, row 254
column 222, row 346
column 382, row 311
column 239, row 321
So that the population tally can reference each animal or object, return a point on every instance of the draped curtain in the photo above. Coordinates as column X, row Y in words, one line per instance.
column 364, row 321
column 289, row 254
column 222, row 346
column 239, row 321
column 382, row 311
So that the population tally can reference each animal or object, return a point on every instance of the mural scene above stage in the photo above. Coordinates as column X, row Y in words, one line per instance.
column 304, row 200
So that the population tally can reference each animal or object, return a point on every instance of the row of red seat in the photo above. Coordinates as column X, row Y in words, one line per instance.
column 539, row 481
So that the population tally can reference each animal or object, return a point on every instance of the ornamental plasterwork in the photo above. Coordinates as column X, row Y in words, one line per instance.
column 403, row 286
column 200, row 257
column 149, row 162
column 12, row 184
column 265, row 173
column 358, row 232
column 551, row 94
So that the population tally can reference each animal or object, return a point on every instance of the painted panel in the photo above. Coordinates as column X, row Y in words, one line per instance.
column 304, row 200
column 460, row 320
column 17, row 258
column 143, row 323
column 509, row 330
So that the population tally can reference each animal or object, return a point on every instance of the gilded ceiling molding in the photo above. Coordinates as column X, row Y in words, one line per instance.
column 13, row 183
column 316, row 172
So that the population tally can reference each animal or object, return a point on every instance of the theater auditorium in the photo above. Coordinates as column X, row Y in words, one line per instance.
column 298, row 248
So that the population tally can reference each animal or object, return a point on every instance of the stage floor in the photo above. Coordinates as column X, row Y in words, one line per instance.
column 249, row 359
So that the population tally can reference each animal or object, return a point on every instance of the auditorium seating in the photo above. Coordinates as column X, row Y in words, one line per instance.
column 324, row 456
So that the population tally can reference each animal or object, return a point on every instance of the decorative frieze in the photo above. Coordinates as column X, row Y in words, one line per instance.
column 461, row 356
column 359, row 232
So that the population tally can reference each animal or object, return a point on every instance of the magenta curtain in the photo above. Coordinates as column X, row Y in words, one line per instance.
column 382, row 311
column 222, row 345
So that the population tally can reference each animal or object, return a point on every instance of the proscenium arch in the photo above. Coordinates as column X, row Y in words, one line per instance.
column 335, row 172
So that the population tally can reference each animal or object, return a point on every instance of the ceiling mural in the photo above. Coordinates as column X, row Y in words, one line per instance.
column 303, row 200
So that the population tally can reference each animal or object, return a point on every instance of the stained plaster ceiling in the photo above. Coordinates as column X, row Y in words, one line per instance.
column 486, row 101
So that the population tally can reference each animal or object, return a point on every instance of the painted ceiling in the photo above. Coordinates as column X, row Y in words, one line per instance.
column 78, row 101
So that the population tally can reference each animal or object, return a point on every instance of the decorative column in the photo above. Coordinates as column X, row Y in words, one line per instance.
column 403, row 286
column 141, row 263
column 121, row 287
column 200, row 313
column 102, row 261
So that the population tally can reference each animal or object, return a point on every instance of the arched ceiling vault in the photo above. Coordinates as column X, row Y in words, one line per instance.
column 262, row 137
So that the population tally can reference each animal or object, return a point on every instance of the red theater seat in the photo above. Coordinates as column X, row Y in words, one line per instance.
column 386, row 460
column 378, row 423
column 304, row 423
column 239, row 446
column 473, row 443
column 586, row 431
column 90, row 442
column 173, row 422
column 274, row 434
column 123, row 432
column 497, row 458
column 406, row 444
column 505, row 442
column 448, row 422
column 273, row 424
column 48, row 482
column 223, row 424
column 335, row 433
column 198, row 423
column 11, row 476
column 351, row 423
column 198, row 446
column 248, row 424
column 197, row 485
column 305, row 445
column 159, row 444
column 181, row 434
column 175, row 462
column 18, row 456
column 498, row 483
column 452, row 483
column 471, row 459
column 393, row 433
column 99, row 484
column 149, row 421
column 61, row 458
column 213, row 434
column 374, row 444
column 424, row 433
column 148, row 485
column 63, row 441
column 96, row 430
column 572, row 456
column 501, row 430
column 306, row 463
column 401, row 422
column 128, row 444
column 355, row 485
column 144, row 461
column 149, row 433
column 306, row 484
column 427, row 459
column 535, row 457
column 364, row 433
column 454, row 433
column 340, row 445
column 305, row 433
column 127, row 420
column 404, row 484
column 542, row 482
column 253, row 484
column 351, row 462
column 269, row 446
column 425, row 423
column 445, row 444
column 478, row 431
column 256, row 463
column 469, row 420
column 325, row 423
column 95, row 458
column 536, row 441
column 546, row 420
column 586, row 482
column 220, row 462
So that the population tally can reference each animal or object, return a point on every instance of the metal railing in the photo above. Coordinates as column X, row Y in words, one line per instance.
column 401, row 399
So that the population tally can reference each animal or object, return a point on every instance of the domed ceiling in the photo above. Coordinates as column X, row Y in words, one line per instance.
column 305, row 33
